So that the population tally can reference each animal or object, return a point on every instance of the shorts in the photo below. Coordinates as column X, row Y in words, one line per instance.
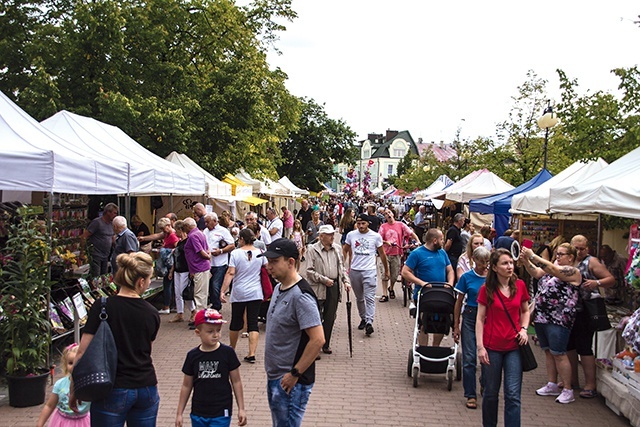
column 581, row 338
column 197, row 421
column 553, row 337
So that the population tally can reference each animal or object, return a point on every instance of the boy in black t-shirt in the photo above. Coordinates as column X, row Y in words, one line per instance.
column 207, row 370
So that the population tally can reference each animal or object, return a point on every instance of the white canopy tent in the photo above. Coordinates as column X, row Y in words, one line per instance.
column 476, row 185
column 297, row 191
column 216, row 189
column 437, row 186
column 538, row 200
column 267, row 187
column 149, row 173
column 34, row 159
column 614, row 190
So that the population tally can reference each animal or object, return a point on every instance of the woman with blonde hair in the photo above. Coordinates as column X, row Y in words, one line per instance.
column 465, row 262
column 134, row 323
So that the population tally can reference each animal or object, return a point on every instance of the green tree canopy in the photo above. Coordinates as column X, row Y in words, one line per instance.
column 318, row 143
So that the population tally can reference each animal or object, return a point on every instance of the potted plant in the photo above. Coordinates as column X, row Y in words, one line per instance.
column 24, row 313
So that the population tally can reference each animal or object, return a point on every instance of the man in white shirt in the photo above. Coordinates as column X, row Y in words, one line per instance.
column 362, row 245
column 220, row 243
column 274, row 224
column 264, row 237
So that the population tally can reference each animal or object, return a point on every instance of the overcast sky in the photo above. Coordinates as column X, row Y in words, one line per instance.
column 431, row 66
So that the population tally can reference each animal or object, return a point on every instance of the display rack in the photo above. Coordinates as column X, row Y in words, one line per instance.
column 542, row 229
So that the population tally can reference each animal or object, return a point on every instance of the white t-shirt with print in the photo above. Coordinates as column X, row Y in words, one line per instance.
column 364, row 247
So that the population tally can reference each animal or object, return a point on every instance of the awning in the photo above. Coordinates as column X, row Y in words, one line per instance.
column 253, row 201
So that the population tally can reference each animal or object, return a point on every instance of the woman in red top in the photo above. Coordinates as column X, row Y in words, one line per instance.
column 497, row 339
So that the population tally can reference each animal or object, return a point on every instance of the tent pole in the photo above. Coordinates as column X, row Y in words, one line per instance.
column 599, row 238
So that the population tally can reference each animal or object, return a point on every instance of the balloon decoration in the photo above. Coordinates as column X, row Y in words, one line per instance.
column 366, row 180
column 352, row 182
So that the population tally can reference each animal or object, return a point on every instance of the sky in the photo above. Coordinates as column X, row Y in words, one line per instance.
column 432, row 67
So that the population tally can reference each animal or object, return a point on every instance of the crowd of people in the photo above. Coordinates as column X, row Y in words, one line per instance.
column 224, row 259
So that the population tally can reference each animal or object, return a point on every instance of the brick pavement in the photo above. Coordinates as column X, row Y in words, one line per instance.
column 370, row 389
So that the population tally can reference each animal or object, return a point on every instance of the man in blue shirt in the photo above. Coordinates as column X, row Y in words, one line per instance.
column 428, row 263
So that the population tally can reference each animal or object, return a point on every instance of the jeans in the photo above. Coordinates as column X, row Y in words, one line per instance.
column 510, row 362
column 167, row 290
column 137, row 406
column 215, row 285
column 469, row 351
column 287, row 409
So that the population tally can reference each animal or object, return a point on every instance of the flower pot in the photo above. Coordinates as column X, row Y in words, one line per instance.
column 27, row 391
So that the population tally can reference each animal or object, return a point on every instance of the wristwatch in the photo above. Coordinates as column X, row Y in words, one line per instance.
column 294, row 372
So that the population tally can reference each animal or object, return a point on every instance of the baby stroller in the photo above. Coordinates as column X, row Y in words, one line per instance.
column 435, row 315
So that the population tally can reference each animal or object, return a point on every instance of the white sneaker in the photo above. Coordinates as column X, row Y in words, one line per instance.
column 164, row 311
column 565, row 397
column 551, row 389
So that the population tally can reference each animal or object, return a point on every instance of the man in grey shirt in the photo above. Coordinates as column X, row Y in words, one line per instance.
column 125, row 243
column 99, row 239
column 293, row 338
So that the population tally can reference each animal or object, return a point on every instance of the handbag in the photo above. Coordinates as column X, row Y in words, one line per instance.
column 529, row 362
column 597, row 311
column 189, row 291
column 266, row 282
column 95, row 373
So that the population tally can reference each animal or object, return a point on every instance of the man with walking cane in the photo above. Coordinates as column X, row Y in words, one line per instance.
column 326, row 274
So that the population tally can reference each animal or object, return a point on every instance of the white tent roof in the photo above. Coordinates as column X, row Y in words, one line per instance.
column 215, row 188
column 149, row 173
column 537, row 200
column 476, row 185
column 268, row 186
column 442, row 182
column 34, row 159
column 615, row 190
column 285, row 181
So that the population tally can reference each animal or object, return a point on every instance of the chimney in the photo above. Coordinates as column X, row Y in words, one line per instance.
column 419, row 140
column 441, row 144
column 373, row 137
column 390, row 134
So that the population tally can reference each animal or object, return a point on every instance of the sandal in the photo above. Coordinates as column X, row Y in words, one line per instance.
column 250, row 359
column 472, row 403
column 327, row 350
column 588, row 394
column 392, row 294
column 384, row 298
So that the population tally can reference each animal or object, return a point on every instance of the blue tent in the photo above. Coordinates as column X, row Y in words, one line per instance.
column 500, row 204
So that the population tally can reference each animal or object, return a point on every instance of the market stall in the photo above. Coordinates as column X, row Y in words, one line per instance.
column 499, row 204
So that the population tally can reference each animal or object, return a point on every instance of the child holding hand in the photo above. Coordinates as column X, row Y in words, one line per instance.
column 58, row 403
column 211, row 370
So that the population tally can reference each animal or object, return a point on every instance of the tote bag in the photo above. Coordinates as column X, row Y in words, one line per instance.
column 95, row 372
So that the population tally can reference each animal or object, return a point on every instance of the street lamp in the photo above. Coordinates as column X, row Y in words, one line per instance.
column 548, row 120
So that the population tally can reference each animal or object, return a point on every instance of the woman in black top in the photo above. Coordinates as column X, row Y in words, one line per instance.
column 134, row 323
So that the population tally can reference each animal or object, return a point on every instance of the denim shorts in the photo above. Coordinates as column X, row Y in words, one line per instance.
column 197, row 421
column 553, row 338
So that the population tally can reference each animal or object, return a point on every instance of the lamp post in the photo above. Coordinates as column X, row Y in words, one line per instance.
column 548, row 120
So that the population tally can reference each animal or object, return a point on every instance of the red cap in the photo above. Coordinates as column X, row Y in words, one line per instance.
column 208, row 316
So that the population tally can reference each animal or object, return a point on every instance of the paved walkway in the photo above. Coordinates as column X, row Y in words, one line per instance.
column 370, row 389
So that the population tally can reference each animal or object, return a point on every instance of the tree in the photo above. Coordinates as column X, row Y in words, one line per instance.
column 318, row 143
column 181, row 75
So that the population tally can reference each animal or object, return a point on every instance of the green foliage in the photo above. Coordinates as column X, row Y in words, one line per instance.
column 310, row 152
column 189, row 76
column 25, row 287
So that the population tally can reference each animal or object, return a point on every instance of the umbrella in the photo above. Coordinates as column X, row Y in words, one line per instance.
column 349, row 326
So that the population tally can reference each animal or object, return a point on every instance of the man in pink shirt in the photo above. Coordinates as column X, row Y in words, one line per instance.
column 394, row 235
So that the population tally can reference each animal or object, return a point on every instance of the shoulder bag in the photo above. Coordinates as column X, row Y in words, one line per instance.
column 95, row 373
column 528, row 359
column 597, row 312
column 266, row 282
column 189, row 291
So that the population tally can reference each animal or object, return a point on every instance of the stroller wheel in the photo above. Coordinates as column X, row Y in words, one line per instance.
column 416, row 375
column 410, row 363
column 458, row 367
column 449, row 379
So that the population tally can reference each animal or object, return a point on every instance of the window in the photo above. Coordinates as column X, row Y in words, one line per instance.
column 399, row 152
column 389, row 170
column 366, row 153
